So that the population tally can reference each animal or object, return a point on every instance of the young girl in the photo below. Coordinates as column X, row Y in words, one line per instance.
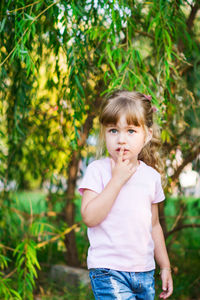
column 120, row 196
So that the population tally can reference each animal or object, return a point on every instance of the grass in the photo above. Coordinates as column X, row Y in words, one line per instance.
column 46, row 289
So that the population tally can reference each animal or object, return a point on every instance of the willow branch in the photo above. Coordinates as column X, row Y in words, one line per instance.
column 27, row 29
column 67, row 231
column 10, row 274
column 53, row 239
column 22, row 8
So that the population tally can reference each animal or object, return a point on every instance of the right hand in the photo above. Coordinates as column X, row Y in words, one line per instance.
column 167, row 284
column 122, row 170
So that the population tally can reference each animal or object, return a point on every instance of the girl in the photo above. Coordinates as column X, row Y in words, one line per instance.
column 120, row 196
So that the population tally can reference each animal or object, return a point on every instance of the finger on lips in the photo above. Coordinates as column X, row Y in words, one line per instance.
column 121, row 152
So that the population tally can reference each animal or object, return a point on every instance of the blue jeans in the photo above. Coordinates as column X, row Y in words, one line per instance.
column 109, row 284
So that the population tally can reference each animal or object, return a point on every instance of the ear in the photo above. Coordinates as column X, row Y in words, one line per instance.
column 149, row 136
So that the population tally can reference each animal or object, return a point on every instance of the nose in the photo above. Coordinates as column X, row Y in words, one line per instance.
column 121, row 138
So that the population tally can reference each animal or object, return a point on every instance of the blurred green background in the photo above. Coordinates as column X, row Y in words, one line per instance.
column 58, row 60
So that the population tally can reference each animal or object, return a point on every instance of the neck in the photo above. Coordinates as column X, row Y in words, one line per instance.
column 135, row 162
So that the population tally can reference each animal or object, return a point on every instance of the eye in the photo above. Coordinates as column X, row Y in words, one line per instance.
column 113, row 130
column 131, row 131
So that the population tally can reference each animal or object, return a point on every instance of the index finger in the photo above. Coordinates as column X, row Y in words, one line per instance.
column 121, row 152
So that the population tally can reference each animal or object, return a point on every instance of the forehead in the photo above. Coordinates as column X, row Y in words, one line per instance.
column 123, row 122
column 131, row 110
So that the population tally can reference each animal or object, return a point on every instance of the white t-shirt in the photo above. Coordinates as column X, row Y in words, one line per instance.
column 123, row 240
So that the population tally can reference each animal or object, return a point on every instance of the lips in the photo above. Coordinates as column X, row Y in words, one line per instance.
column 125, row 150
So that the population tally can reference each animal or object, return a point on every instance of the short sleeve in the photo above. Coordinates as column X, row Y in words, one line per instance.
column 92, row 179
column 159, row 194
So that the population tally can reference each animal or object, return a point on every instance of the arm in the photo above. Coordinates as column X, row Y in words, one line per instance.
column 95, row 207
column 161, row 255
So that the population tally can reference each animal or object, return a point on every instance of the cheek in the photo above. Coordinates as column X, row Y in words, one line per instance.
column 109, row 143
column 138, row 142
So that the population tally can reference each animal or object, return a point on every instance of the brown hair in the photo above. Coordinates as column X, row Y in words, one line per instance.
column 139, row 112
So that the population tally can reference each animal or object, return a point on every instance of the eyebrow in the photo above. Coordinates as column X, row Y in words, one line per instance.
column 111, row 125
column 129, row 126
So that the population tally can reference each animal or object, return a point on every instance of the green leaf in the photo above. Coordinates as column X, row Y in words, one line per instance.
column 113, row 68
column 29, row 17
column 2, row 24
column 123, row 67
column 79, row 85
column 109, row 51
column 168, row 38
column 16, row 294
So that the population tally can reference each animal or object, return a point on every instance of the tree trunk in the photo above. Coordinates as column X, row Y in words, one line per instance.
column 70, row 240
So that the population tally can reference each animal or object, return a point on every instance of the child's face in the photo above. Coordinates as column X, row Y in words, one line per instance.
column 132, row 138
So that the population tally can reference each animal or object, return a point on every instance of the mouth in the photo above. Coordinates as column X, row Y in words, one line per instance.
column 125, row 150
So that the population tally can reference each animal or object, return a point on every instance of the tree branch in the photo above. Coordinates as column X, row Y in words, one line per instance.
column 193, row 13
column 189, row 158
column 190, row 23
column 23, row 7
column 182, row 227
